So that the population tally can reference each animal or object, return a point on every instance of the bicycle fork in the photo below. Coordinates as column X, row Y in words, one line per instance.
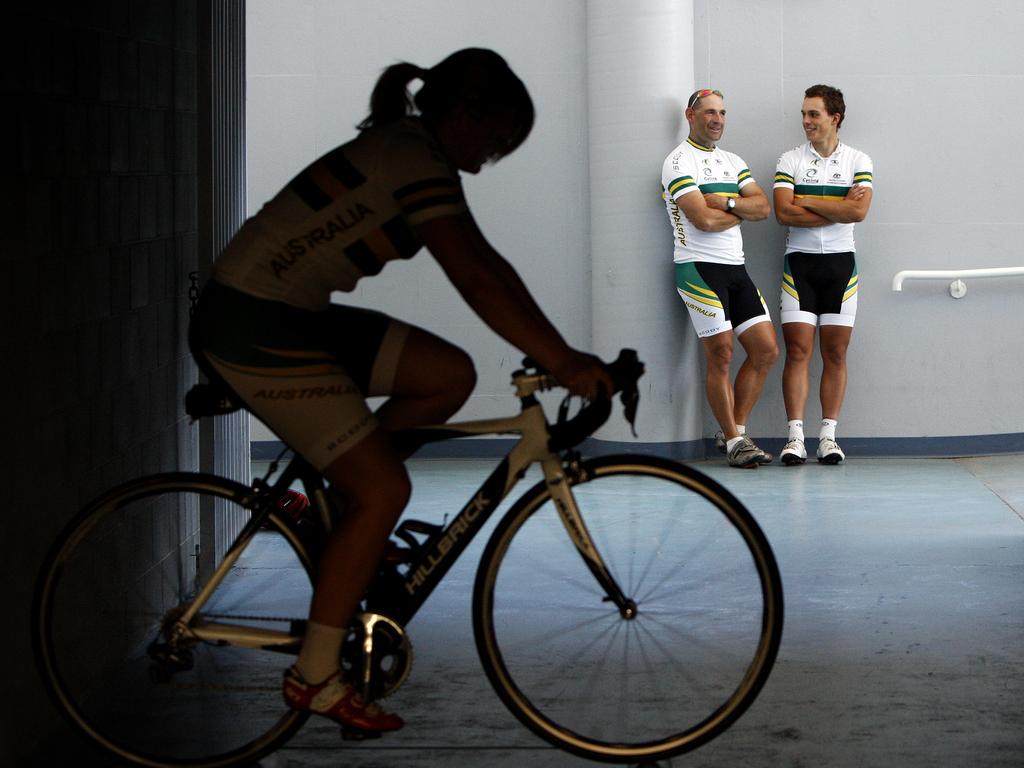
column 557, row 475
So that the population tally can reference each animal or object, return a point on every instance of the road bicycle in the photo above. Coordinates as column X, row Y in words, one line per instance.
column 626, row 608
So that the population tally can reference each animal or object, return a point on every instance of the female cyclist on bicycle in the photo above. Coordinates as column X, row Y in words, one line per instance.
column 305, row 366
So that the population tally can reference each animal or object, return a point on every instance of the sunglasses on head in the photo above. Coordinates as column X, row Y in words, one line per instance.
column 698, row 95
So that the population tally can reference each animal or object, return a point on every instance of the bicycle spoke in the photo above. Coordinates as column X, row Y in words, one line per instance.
column 107, row 621
column 646, row 685
column 542, row 639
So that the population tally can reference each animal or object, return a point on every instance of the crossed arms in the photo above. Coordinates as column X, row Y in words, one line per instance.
column 796, row 211
column 708, row 212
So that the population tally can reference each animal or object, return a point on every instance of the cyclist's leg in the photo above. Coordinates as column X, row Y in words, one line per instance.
column 837, row 322
column 430, row 382
column 799, row 310
column 718, row 386
column 756, row 333
column 799, row 338
column 375, row 486
column 373, row 482
column 430, row 379
column 762, row 350
column 306, row 375
column 426, row 380
column 834, row 341
column 704, row 289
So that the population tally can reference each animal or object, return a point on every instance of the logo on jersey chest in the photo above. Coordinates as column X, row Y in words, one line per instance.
column 835, row 178
column 711, row 176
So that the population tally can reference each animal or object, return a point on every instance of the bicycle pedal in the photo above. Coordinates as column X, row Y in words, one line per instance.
column 354, row 734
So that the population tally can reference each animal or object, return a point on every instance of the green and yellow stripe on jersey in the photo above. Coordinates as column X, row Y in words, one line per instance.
column 723, row 189
column 428, row 193
column 394, row 239
column 329, row 178
column 863, row 177
column 821, row 191
column 678, row 185
column 784, row 178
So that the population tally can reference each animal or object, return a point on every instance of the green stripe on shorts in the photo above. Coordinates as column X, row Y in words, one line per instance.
column 689, row 281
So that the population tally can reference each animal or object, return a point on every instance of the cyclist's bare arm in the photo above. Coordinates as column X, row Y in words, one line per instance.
column 815, row 211
column 494, row 290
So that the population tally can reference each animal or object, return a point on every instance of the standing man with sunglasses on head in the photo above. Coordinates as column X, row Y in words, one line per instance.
column 821, row 189
column 708, row 193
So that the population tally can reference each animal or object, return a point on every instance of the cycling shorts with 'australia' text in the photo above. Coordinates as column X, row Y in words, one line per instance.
column 720, row 297
column 305, row 374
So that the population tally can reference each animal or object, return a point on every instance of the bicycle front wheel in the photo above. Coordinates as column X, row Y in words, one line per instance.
column 623, row 685
column 107, row 602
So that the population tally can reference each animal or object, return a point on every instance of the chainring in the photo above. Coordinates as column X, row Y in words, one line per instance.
column 379, row 668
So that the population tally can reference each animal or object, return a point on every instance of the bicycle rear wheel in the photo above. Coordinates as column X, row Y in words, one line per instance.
column 619, row 688
column 113, row 585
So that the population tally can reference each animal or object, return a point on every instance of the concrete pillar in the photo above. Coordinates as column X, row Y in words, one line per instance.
column 640, row 71
column 224, row 440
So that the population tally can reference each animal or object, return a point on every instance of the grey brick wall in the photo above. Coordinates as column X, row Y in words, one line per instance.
column 98, row 238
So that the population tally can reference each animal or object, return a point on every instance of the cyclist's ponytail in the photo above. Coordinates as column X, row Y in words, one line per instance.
column 476, row 78
column 391, row 99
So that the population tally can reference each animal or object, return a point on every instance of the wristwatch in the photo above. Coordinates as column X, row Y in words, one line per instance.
column 730, row 204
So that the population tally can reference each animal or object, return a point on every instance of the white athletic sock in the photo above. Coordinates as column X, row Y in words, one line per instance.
column 796, row 429
column 828, row 429
column 742, row 429
column 730, row 444
column 321, row 649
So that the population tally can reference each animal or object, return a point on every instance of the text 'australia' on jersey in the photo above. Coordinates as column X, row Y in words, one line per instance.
column 692, row 168
column 343, row 217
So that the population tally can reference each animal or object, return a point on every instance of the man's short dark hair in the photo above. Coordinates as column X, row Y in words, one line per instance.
column 832, row 97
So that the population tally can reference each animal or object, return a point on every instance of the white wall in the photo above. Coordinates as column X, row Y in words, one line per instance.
column 312, row 66
column 640, row 69
column 936, row 96
column 932, row 93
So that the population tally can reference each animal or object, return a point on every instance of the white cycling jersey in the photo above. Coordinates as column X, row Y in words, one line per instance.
column 807, row 173
column 695, row 168
column 343, row 217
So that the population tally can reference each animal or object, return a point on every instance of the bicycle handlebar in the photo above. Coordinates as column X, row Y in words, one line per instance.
column 625, row 371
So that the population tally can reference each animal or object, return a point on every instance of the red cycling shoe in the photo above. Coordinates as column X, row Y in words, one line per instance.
column 337, row 700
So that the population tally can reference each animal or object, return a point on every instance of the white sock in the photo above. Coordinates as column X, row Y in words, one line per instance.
column 742, row 429
column 730, row 444
column 828, row 429
column 321, row 650
column 796, row 429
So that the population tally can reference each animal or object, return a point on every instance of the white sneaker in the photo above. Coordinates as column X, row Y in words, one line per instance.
column 829, row 451
column 793, row 453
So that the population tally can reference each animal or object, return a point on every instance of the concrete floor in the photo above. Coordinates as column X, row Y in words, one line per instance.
column 903, row 644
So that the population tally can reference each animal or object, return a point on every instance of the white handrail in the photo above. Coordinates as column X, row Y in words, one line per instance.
column 957, row 288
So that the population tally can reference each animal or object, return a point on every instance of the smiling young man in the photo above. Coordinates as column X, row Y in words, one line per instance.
column 708, row 193
column 821, row 190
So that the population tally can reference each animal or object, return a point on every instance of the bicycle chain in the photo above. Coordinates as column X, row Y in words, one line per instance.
column 248, row 618
column 214, row 687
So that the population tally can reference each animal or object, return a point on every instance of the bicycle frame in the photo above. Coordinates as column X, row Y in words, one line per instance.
column 399, row 596
column 690, row 664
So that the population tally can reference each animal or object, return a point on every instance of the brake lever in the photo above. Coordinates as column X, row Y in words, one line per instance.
column 563, row 410
column 630, row 398
column 630, row 369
